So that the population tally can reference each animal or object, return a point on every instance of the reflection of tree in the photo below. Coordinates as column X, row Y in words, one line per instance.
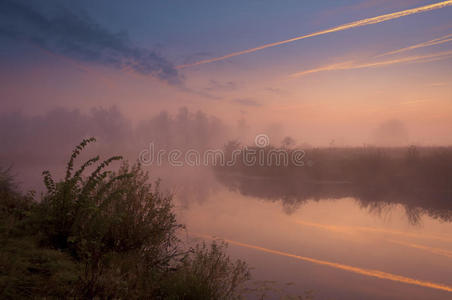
column 379, row 178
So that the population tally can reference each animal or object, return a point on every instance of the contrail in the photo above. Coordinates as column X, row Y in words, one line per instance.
column 359, row 23
column 357, row 270
column 352, row 66
column 437, row 41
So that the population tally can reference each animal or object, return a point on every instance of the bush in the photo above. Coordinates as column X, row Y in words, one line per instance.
column 28, row 271
column 208, row 273
column 111, row 234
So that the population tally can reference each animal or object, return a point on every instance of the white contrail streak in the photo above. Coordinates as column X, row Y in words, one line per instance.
column 437, row 41
column 356, row 270
column 359, row 23
column 377, row 64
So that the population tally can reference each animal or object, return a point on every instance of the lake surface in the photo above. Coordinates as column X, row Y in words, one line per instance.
column 337, row 248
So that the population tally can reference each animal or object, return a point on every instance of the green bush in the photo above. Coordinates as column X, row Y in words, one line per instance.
column 29, row 271
column 110, row 234
column 208, row 273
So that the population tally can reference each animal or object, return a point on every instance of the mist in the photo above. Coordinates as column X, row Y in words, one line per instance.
column 33, row 142
column 138, row 141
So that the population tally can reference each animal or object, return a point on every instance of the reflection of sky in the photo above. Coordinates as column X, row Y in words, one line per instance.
column 332, row 231
column 76, row 63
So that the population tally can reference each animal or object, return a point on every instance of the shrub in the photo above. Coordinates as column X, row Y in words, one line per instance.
column 111, row 234
column 208, row 273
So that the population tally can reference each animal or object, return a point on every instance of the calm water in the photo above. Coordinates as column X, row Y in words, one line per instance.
column 338, row 248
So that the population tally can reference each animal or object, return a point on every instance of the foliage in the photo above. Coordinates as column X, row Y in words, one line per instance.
column 28, row 271
column 110, row 234
column 208, row 273
column 418, row 178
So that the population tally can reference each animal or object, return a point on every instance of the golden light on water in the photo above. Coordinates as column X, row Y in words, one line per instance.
column 357, row 270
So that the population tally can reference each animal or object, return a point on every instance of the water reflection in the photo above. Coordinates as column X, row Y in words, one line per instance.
column 324, row 239
column 331, row 247
column 419, row 180
column 357, row 270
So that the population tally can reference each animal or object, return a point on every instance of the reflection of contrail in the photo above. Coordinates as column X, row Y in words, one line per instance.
column 358, row 23
column 437, row 41
column 352, row 66
column 438, row 251
column 361, row 271
column 349, row 229
column 343, row 229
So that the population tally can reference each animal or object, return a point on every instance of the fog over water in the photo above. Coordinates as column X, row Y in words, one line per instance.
column 313, row 136
column 342, row 212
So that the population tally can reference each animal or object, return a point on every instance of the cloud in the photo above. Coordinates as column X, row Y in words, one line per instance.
column 247, row 102
column 349, row 65
column 221, row 86
column 359, row 23
column 81, row 38
column 275, row 90
column 198, row 55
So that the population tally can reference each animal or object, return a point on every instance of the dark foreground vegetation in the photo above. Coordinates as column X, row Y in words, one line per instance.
column 107, row 235
column 418, row 178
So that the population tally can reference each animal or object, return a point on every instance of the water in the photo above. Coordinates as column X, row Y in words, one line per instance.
column 338, row 248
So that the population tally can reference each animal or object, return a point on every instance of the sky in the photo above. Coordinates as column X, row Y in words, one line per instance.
column 344, row 72
column 196, row 74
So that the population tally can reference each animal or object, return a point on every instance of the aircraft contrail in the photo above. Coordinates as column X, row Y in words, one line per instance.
column 357, row 270
column 351, row 65
column 437, row 41
column 359, row 23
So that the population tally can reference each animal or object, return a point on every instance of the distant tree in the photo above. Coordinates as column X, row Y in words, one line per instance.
column 288, row 142
column 391, row 133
